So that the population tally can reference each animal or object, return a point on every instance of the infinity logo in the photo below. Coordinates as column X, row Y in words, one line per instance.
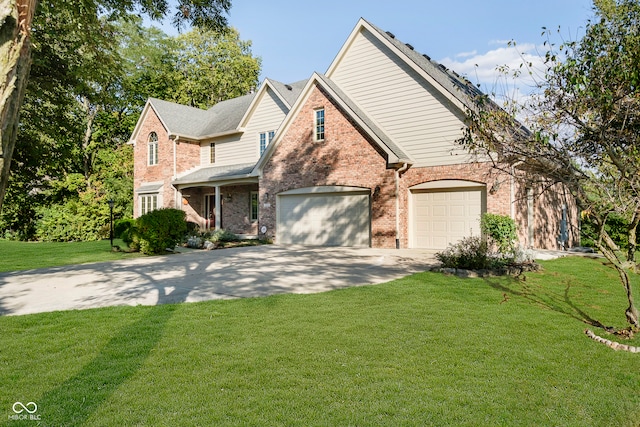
column 30, row 407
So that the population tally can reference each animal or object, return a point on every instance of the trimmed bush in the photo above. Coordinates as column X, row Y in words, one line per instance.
column 157, row 231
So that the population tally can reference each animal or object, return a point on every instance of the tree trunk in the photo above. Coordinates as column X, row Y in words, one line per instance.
column 87, row 155
column 15, row 61
column 609, row 253
column 633, row 244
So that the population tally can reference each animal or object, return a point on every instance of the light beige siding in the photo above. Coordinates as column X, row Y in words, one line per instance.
column 242, row 148
column 420, row 119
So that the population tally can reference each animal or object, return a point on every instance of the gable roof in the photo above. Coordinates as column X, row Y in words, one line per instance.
column 457, row 88
column 380, row 138
column 287, row 93
column 223, row 118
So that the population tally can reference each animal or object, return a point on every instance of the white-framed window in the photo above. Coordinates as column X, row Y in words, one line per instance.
column 318, row 124
column 148, row 203
column 152, row 143
column 253, row 206
column 212, row 152
column 265, row 139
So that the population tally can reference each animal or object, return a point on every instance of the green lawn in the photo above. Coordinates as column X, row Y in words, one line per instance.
column 424, row 350
column 28, row 255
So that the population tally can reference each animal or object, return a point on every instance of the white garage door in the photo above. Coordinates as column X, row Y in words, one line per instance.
column 442, row 217
column 324, row 216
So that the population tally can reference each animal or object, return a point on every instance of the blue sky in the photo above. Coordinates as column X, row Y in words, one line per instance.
column 294, row 38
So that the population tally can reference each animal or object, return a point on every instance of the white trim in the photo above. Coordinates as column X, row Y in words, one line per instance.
column 448, row 184
column 326, row 189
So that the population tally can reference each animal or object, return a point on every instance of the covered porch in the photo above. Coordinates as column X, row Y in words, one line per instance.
column 217, row 198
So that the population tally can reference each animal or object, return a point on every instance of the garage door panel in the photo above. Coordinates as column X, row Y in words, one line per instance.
column 444, row 216
column 324, row 219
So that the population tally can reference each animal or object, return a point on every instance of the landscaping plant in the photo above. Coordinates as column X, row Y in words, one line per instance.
column 157, row 231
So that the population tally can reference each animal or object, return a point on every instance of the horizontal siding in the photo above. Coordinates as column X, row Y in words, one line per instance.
column 245, row 148
column 412, row 112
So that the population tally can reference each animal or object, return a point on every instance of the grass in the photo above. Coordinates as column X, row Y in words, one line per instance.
column 30, row 255
column 424, row 350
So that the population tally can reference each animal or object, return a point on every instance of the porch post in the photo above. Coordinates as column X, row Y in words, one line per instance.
column 218, row 210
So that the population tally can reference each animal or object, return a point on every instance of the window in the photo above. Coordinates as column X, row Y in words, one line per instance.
column 253, row 214
column 319, row 125
column 212, row 152
column 153, row 149
column 148, row 203
column 265, row 139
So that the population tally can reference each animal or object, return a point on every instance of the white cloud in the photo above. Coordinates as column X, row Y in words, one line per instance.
column 466, row 54
column 506, row 71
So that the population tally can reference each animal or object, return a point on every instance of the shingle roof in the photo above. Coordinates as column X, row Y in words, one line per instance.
column 193, row 122
column 289, row 92
column 215, row 173
column 179, row 119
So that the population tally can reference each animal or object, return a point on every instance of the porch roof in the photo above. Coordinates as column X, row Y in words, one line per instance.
column 216, row 174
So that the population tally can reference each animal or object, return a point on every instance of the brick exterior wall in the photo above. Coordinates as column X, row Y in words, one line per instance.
column 547, row 204
column 187, row 157
column 345, row 158
column 498, row 192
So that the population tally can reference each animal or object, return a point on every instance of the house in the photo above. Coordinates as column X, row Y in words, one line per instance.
column 362, row 155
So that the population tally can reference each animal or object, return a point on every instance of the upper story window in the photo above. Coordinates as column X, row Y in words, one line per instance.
column 153, row 149
column 212, row 152
column 265, row 139
column 319, row 125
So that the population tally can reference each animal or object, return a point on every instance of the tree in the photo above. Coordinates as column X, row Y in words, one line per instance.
column 214, row 66
column 584, row 128
column 16, row 19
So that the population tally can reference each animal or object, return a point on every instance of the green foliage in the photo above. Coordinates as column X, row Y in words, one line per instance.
column 616, row 226
column 159, row 230
column 470, row 253
column 121, row 227
column 502, row 230
column 221, row 235
column 213, row 66
column 73, row 220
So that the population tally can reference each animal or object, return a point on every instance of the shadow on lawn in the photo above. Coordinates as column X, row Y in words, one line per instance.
column 546, row 298
column 74, row 401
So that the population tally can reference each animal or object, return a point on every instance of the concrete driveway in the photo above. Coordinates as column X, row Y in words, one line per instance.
column 204, row 275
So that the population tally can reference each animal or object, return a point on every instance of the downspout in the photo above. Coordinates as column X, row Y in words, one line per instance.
column 176, row 202
column 399, row 172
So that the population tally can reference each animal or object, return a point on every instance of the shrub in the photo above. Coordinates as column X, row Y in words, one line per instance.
column 122, row 226
column 222, row 236
column 469, row 253
column 502, row 230
column 157, row 231
column 73, row 220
